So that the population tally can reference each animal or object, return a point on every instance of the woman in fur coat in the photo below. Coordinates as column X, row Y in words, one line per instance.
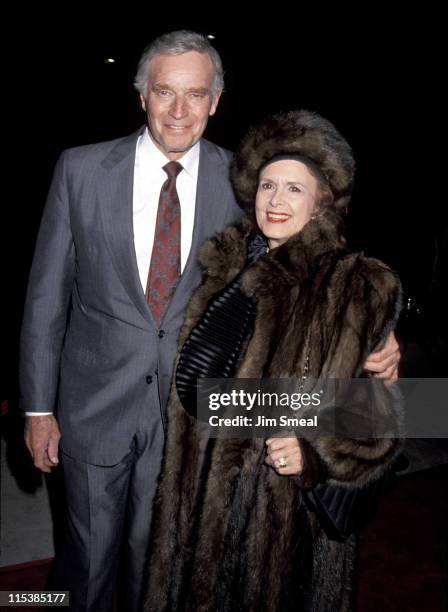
column 281, row 297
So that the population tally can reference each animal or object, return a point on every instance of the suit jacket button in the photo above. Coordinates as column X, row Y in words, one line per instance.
column 148, row 380
column 161, row 333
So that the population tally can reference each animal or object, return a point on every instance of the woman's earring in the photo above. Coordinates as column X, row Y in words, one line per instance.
column 315, row 214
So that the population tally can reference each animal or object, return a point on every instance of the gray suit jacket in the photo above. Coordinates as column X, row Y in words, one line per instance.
column 89, row 343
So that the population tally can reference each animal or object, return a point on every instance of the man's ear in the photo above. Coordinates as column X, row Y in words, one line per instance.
column 143, row 102
column 214, row 105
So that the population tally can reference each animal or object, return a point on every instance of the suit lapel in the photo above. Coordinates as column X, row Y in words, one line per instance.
column 115, row 192
column 208, row 217
column 209, row 212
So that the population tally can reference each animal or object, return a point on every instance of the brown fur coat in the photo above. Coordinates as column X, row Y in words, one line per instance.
column 239, row 536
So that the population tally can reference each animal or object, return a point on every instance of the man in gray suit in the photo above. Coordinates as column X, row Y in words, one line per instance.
column 91, row 343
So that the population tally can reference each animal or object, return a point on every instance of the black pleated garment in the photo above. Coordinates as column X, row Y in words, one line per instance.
column 213, row 348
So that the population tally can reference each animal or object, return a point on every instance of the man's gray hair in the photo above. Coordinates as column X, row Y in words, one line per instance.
column 176, row 43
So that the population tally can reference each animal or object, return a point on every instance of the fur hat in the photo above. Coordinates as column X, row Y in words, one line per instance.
column 297, row 133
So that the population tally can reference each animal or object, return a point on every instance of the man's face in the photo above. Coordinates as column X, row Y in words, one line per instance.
column 179, row 100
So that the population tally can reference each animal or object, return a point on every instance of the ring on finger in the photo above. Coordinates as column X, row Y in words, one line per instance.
column 281, row 463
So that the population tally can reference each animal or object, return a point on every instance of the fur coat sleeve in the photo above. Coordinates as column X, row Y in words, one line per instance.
column 371, row 306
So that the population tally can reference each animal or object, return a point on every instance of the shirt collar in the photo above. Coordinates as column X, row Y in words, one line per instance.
column 189, row 161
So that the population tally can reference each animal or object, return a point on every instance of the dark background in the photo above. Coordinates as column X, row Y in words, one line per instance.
column 376, row 75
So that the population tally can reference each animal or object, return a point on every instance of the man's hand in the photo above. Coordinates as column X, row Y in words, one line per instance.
column 42, row 437
column 384, row 363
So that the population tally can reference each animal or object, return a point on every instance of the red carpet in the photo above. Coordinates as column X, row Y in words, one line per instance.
column 25, row 577
column 403, row 552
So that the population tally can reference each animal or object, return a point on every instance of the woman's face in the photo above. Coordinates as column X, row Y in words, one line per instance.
column 286, row 198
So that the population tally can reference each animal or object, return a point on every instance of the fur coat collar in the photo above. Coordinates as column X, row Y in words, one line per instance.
column 290, row 263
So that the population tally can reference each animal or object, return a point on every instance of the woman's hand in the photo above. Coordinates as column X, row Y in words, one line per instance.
column 284, row 455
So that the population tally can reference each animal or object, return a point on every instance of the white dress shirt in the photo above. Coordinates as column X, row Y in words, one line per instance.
column 149, row 177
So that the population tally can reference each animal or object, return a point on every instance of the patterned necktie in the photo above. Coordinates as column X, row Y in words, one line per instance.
column 164, row 271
